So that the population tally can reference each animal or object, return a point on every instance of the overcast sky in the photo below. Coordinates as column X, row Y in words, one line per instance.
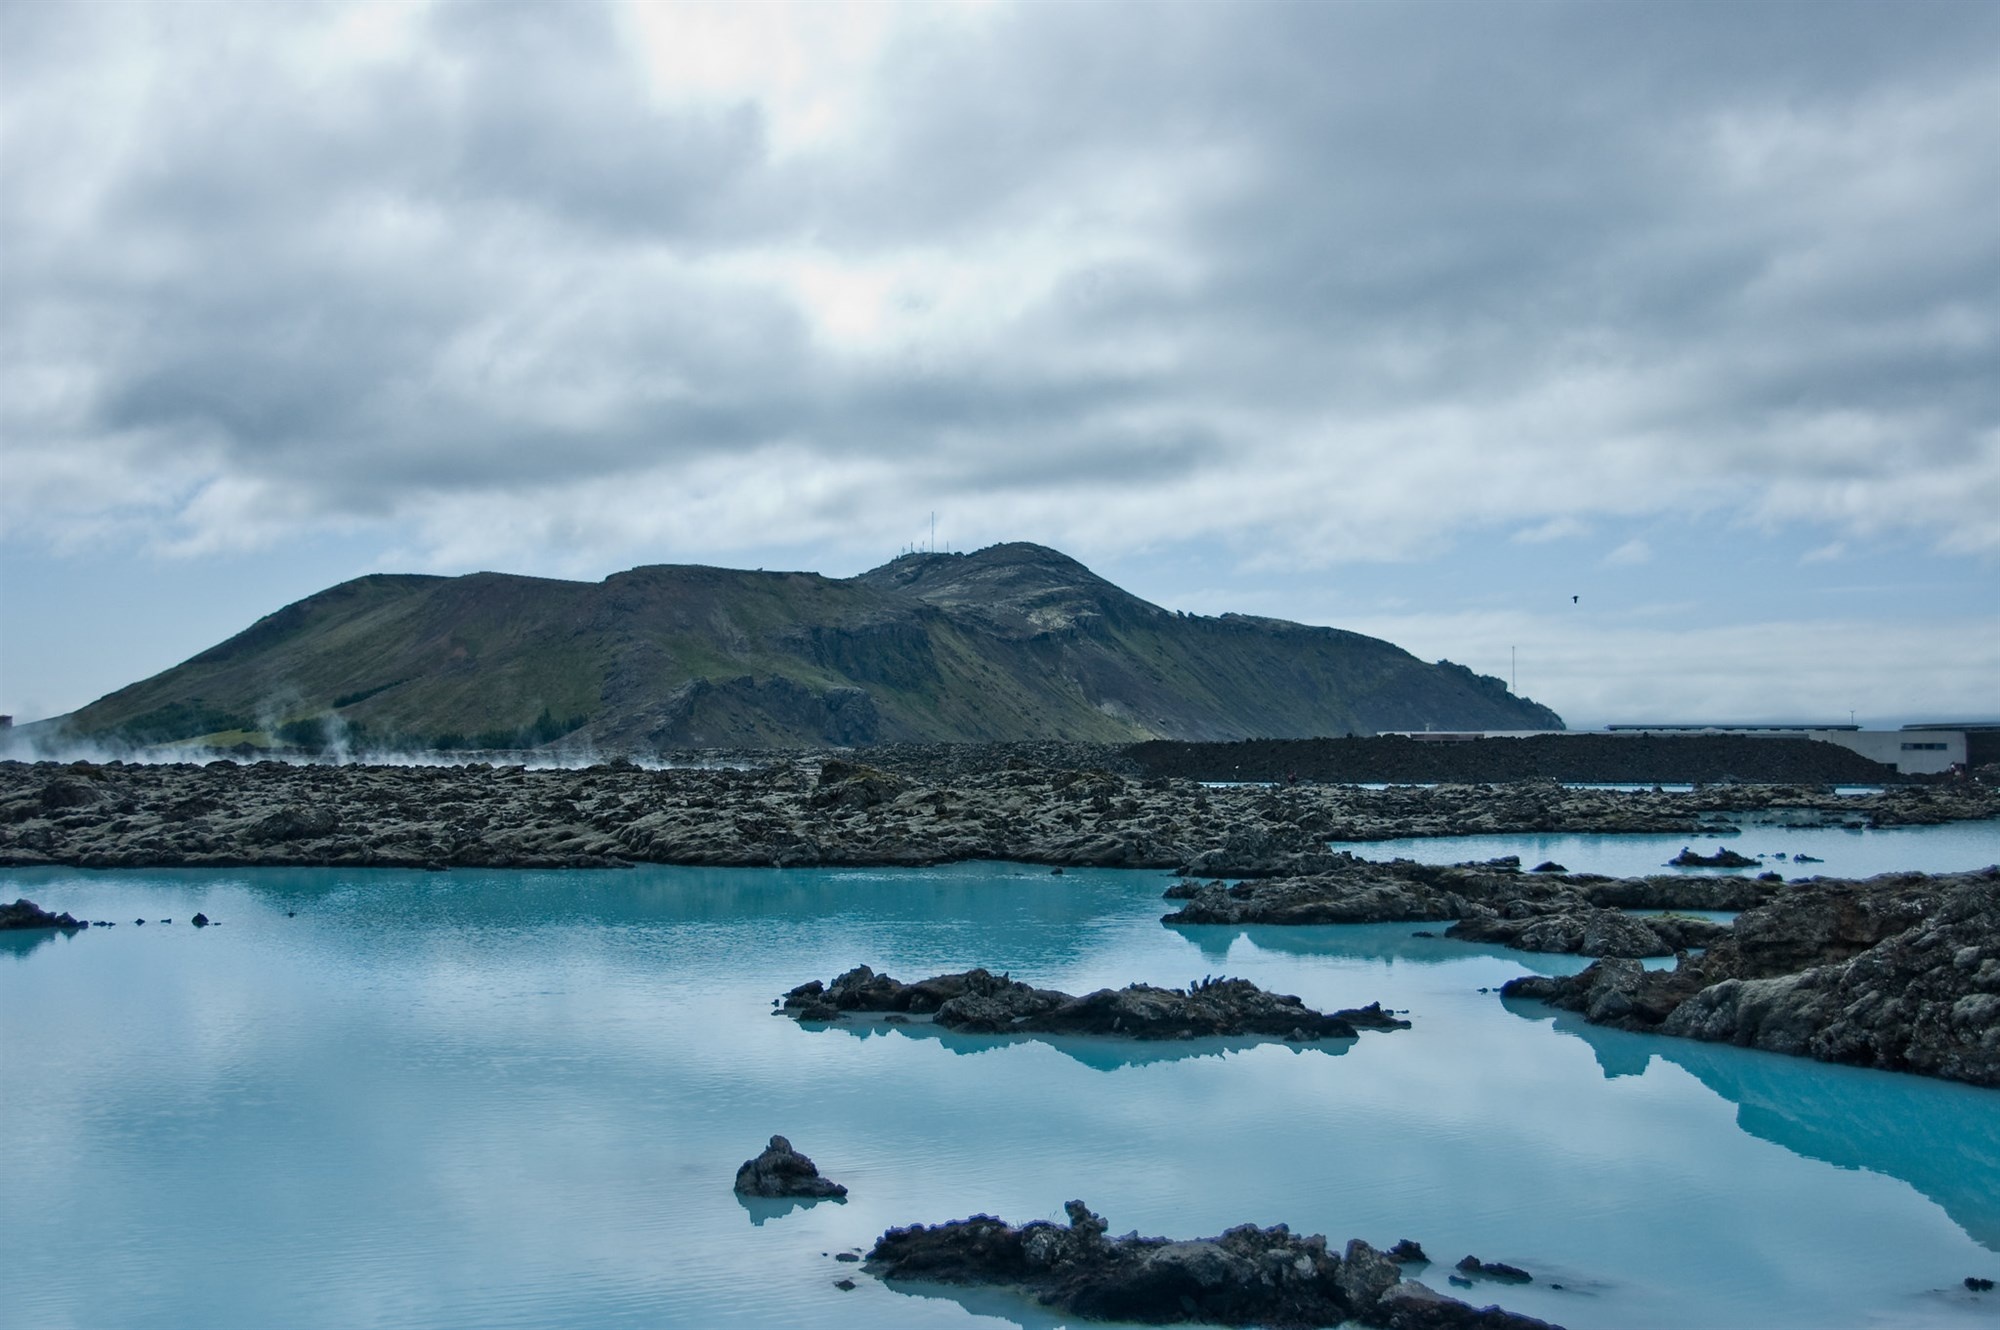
column 1419, row 319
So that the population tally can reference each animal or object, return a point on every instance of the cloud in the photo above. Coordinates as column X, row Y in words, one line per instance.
column 578, row 284
column 1640, row 669
column 1556, row 528
column 1633, row 551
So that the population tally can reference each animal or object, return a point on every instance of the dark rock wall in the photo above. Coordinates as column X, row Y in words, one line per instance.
column 1571, row 757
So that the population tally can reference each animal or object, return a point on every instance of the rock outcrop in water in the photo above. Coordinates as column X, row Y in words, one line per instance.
column 1492, row 902
column 1900, row 972
column 902, row 806
column 1246, row 1276
column 24, row 913
column 1577, row 928
column 979, row 1002
column 1722, row 858
column 780, row 1172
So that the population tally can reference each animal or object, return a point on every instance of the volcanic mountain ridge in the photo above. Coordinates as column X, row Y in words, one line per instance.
column 1012, row 642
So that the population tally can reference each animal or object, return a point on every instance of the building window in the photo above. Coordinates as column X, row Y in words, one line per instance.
column 1923, row 748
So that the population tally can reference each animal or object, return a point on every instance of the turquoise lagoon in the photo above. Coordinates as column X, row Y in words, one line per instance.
column 1954, row 847
column 518, row 1099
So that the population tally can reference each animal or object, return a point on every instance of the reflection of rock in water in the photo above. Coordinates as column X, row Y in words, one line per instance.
column 1618, row 1052
column 21, row 941
column 1849, row 1117
column 1098, row 1054
column 1366, row 942
column 763, row 1209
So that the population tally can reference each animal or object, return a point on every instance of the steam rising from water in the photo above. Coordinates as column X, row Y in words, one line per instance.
column 28, row 746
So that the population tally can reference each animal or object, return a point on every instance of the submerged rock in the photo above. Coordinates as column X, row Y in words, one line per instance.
column 782, row 1171
column 1500, row 1270
column 980, row 1002
column 1245, row 1276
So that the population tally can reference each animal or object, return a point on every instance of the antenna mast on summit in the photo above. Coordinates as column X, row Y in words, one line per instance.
column 934, row 532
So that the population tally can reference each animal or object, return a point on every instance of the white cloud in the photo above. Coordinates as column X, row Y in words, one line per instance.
column 564, row 286
column 1556, row 528
column 1633, row 551
column 1596, row 672
column 385, row 262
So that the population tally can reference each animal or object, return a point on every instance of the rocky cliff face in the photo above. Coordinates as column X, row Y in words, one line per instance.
column 1014, row 642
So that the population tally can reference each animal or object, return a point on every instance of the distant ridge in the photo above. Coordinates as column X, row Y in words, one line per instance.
column 1016, row 641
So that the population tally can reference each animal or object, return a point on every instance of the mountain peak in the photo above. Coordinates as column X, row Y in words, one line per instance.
column 1017, row 588
column 1014, row 641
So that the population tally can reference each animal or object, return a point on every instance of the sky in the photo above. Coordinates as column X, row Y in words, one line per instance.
column 1647, row 356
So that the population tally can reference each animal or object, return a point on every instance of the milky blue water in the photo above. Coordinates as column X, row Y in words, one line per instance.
column 518, row 1099
column 1841, row 851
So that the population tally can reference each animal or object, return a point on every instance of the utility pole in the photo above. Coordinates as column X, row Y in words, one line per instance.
column 1513, row 671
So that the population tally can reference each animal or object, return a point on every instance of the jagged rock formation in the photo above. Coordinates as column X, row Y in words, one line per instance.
column 1246, row 1276
column 980, row 1002
column 803, row 811
column 24, row 913
column 780, row 1171
column 1492, row 902
column 1013, row 642
column 1724, row 857
column 1900, row 972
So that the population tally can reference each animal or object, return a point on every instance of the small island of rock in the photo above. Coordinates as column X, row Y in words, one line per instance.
column 1246, row 1276
column 980, row 1002
column 24, row 913
column 781, row 1172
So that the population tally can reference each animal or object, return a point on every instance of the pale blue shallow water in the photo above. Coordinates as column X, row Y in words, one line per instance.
column 517, row 1099
column 1952, row 848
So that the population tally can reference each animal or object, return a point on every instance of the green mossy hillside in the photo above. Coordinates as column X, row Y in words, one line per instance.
column 1012, row 642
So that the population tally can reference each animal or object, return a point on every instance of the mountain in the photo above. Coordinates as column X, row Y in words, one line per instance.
column 1014, row 642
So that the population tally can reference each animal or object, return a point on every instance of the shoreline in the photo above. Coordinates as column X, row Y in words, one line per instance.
column 833, row 812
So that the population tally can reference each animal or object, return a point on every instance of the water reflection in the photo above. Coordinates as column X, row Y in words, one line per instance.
column 763, row 1209
column 1013, row 1308
column 1851, row 1117
column 21, row 941
column 1367, row 942
column 1833, row 851
column 1099, row 1054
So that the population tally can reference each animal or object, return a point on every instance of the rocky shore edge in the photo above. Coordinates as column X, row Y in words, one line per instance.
column 1245, row 1276
column 1544, row 910
column 1900, row 972
column 828, row 812
column 980, row 1002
